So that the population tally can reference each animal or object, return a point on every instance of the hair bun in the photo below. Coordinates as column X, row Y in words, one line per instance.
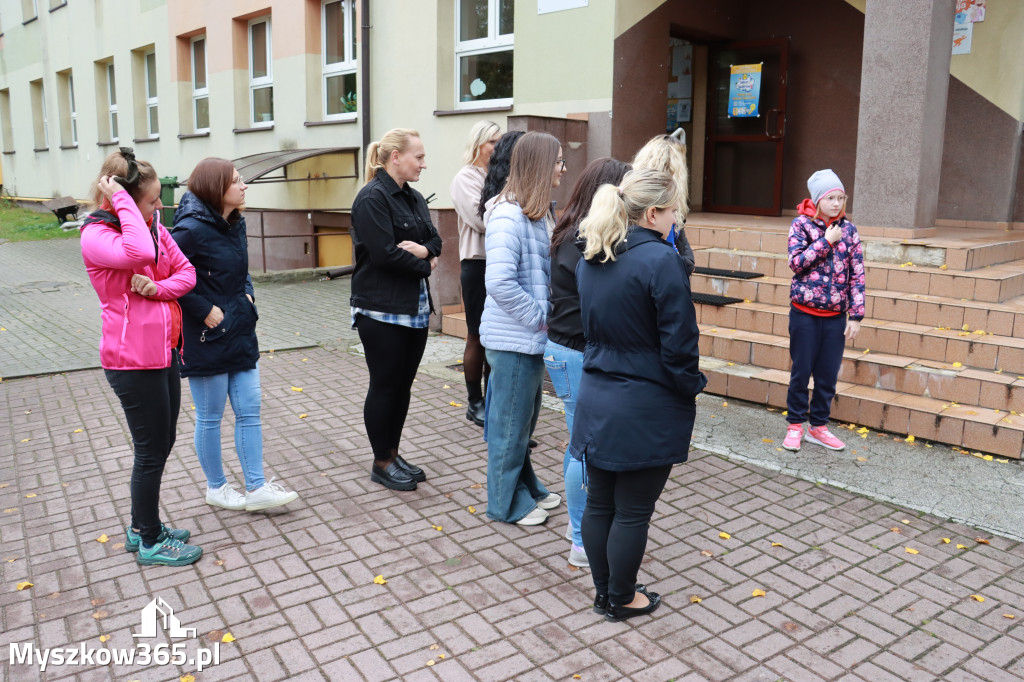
column 132, row 176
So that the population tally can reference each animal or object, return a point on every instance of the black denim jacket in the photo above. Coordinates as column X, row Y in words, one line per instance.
column 387, row 278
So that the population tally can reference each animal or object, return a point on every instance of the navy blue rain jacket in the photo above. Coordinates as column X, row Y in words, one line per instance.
column 636, row 404
column 220, row 255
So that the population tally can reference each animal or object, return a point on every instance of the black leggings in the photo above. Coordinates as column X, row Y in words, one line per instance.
column 618, row 512
column 393, row 355
column 150, row 399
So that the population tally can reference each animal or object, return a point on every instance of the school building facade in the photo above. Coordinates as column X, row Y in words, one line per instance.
column 928, row 143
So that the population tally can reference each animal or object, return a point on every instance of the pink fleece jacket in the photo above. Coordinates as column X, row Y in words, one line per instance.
column 139, row 332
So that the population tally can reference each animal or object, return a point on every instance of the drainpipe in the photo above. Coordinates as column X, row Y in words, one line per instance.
column 364, row 73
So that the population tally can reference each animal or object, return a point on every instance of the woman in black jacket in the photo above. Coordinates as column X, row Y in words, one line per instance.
column 636, row 407
column 563, row 355
column 221, row 356
column 396, row 249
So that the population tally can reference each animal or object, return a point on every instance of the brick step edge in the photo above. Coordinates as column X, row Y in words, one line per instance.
column 968, row 426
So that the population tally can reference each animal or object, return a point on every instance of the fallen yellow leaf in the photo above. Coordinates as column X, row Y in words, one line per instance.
column 1003, row 461
column 906, row 521
column 911, row 550
column 862, row 459
column 909, row 439
column 725, row 404
column 100, row 614
column 10, row 510
column 303, row 415
column 30, row 495
column 434, row 647
column 961, row 546
column 455, row 404
column 379, row 580
column 958, row 364
column 296, row 389
column 436, row 527
column 187, row 678
column 218, row 562
column 757, row 593
column 77, row 431
column 430, row 662
column 866, row 351
column 24, row 586
column 988, row 458
column 1009, row 615
column 943, row 267
column 785, row 413
column 576, row 677
column 228, row 637
column 767, row 440
column 471, row 510
column 446, row 386
column 25, row 440
column 694, row 599
column 977, row 597
column 103, row 538
column 777, row 544
column 724, row 535
column 945, row 541
column 982, row 541
column 706, row 552
column 863, row 429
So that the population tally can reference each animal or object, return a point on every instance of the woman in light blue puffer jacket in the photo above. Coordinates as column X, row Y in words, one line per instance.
column 514, row 328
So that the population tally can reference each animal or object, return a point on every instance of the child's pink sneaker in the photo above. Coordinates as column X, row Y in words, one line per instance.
column 793, row 434
column 822, row 436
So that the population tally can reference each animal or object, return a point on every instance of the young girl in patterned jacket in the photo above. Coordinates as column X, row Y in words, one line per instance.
column 827, row 305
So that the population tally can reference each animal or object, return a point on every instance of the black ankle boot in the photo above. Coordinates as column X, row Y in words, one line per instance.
column 475, row 412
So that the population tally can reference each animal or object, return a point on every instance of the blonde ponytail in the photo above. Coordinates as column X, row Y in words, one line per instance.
column 666, row 153
column 379, row 153
column 615, row 209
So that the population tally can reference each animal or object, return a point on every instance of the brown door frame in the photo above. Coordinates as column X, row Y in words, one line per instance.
column 774, row 132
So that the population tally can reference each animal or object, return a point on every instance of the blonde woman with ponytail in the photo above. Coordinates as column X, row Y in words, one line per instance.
column 668, row 153
column 636, row 406
column 396, row 248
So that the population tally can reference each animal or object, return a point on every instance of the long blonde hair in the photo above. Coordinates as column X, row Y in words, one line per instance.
column 615, row 209
column 530, row 174
column 479, row 135
column 379, row 153
column 665, row 153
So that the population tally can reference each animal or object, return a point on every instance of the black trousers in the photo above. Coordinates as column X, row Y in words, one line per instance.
column 816, row 346
column 619, row 509
column 393, row 355
column 151, row 399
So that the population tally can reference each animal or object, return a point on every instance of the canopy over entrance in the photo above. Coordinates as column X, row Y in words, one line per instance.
column 255, row 167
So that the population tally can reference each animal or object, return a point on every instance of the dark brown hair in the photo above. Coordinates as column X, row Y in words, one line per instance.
column 603, row 171
column 210, row 181
column 117, row 164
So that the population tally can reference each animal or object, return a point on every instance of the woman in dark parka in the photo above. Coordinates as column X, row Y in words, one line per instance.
column 221, row 357
column 636, row 405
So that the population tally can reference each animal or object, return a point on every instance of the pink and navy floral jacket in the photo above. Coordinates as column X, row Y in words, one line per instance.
column 826, row 277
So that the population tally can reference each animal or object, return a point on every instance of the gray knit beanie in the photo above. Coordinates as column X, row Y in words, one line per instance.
column 821, row 183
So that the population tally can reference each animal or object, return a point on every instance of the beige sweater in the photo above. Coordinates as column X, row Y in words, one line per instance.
column 465, row 190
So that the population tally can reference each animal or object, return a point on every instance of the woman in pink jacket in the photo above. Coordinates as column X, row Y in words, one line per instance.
column 139, row 273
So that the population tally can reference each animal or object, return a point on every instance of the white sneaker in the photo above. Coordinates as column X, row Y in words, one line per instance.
column 534, row 518
column 269, row 495
column 550, row 502
column 226, row 497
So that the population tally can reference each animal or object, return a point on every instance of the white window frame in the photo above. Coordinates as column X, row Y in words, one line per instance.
column 199, row 93
column 112, row 102
column 344, row 67
column 469, row 48
column 264, row 81
column 151, row 102
column 42, row 105
column 71, row 108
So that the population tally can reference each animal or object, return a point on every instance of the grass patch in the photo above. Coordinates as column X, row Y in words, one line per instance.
column 22, row 225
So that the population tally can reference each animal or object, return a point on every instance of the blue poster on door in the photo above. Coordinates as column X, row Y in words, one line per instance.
column 744, row 90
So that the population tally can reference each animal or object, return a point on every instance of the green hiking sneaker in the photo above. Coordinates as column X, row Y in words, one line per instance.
column 169, row 552
column 134, row 539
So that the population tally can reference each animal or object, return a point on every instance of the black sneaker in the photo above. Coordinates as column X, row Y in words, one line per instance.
column 393, row 476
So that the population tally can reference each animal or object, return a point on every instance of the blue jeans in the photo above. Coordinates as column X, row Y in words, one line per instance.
column 565, row 367
column 816, row 346
column 210, row 394
column 512, row 408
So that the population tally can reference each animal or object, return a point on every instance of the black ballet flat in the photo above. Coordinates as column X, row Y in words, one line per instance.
column 601, row 604
column 414, row 471
column 615, row 614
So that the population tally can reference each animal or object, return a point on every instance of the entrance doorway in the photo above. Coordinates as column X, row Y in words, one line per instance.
column 743, row 154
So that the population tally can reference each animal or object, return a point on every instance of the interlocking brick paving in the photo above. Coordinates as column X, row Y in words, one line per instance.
column 481, row 600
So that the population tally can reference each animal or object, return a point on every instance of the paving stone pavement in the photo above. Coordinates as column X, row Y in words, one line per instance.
column 486, row 601
column 480, row 600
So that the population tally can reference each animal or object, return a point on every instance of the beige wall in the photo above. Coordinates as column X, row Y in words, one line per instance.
column 995, row 66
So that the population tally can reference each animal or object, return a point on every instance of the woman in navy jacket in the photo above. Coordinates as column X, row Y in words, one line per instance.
column 221, row 357
column 636, row 405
